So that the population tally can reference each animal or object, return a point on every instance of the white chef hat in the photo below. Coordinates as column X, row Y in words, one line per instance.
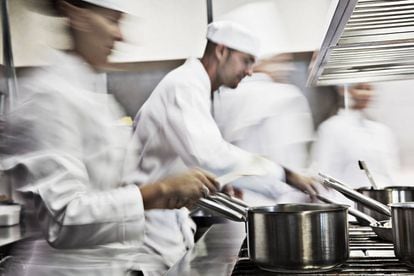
column 234, row 36
column 48, row 7
column 117, row 5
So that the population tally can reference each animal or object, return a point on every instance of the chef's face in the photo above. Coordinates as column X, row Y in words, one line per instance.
column 96, row 33
column 234, row 67
column 361, row 95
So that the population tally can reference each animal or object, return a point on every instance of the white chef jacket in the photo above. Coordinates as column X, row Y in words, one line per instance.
column 175, row 127
column 271, row 119
column 66, row 157
column 348, row 137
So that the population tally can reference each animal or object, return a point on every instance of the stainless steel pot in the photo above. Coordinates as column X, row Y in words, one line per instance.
column 298, row 237
column 293, row 238
column 391, row 194
column 403, row 231
column 381, row 228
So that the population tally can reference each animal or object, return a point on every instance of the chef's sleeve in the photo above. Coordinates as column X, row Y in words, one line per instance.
column 47, row 143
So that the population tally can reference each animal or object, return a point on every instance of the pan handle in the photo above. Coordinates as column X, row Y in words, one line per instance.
column 354, row 195
column 237, row 201
column 228, row 203
column 366, row 218
column 218, row 209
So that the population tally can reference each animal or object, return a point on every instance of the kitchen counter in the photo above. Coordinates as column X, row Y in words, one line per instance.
column 215, row 253
column 11, row 234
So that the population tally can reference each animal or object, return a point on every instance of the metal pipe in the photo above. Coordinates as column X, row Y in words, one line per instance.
column 11, row 93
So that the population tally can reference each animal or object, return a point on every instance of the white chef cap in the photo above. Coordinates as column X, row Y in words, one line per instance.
column 48, row 7
column 117, row 5
column 234, row 36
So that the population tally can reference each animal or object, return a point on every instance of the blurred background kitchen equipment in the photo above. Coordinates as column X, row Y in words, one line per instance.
column 387, row 195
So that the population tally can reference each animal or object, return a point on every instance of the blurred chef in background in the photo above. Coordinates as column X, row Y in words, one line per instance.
column 350, row 136
column 175, row 129
column 268, row 116
column 65, row 155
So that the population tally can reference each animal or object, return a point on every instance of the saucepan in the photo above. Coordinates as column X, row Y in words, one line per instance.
column 381, row 228
column 403, row 231
column 289, row 238
column 387, row 195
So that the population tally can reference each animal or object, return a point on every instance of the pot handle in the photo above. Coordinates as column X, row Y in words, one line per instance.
column 356, row 213
column 354, row 195
column 223, row 211
column 221, row 199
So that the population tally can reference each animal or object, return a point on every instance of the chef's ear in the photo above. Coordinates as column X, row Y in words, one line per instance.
column 221, row 52
column 78, row 17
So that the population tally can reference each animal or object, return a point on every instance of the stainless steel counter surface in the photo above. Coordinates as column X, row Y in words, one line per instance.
column 11, row 234
column 214, row 254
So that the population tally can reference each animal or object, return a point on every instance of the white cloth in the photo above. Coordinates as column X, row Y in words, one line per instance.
column 348, row 137
column 66, row 157
column 270, row 119
column 175, row 129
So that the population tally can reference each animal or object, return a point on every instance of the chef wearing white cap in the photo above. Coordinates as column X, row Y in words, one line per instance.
column 66, row 158
column 175, row 127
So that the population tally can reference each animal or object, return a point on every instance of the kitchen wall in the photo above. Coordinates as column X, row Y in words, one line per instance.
column 132, row 87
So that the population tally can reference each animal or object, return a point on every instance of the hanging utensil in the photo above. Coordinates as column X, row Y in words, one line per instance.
column 363, row 166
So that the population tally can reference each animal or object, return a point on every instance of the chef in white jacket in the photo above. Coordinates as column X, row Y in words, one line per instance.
column 350, row 136
column 175, row 127
column 64, row 153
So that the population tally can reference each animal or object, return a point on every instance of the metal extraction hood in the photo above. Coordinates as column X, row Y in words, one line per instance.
column 367, row 41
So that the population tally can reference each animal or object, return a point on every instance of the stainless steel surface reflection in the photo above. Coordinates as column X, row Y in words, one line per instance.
column 214, row 254
column 299, row 237
column 403, row 231
column 391, row 194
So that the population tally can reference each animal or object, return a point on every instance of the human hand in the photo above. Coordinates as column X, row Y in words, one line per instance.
column 304, row 183
column 179, row 191
column 232, row 191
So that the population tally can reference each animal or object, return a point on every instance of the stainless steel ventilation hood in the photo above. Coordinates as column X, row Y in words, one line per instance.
column 367, row 41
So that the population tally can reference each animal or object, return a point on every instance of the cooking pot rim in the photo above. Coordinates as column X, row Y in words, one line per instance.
column 407, row 205
column 402, row 188
column 301, row 207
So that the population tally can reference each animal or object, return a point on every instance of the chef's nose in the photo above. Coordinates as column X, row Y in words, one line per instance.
column 118, row 34
column 249, row 70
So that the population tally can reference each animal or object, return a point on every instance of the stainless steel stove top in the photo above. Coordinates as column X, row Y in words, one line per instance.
column 368, row 256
